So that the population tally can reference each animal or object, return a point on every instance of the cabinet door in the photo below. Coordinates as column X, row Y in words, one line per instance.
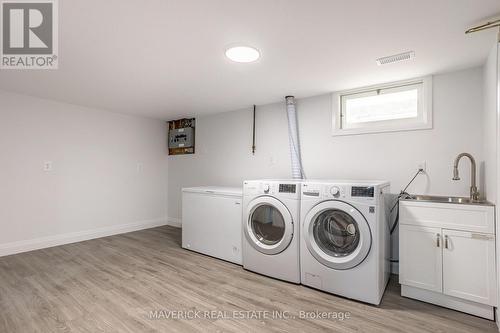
column 420, row 257
column 469, row 266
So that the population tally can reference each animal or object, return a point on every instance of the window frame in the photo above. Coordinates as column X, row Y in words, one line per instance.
column 422, row 122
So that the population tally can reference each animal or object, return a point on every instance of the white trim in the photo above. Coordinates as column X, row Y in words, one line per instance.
column 426, row 123
column 497, row 209
column 496, row 319
column 477, row 309
column 174, row 222
column 78, row 236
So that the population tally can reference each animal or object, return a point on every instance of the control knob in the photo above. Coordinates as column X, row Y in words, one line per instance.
column 335, row 191
column 266, row 188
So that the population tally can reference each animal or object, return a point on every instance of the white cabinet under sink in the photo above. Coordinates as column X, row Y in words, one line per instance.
column 469, row 266
column 420, row 257
column 447, row 255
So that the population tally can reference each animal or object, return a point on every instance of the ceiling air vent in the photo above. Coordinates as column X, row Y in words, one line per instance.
column 396, row 58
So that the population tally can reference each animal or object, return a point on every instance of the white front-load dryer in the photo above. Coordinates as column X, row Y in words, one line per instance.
column 344, row 247
column 271, row 217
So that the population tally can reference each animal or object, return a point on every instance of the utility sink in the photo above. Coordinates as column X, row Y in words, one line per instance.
column 443, row 199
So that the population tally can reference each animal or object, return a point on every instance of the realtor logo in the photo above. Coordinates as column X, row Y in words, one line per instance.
column 29, row 34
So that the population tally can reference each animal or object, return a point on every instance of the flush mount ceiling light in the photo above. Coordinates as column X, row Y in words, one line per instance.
column 242, row 54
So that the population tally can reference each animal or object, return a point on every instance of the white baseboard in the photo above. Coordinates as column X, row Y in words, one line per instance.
column 73, row 237
column 174, row 222
column 496, row 318
column 477, row 309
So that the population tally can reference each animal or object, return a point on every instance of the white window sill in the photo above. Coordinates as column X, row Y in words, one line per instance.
column 360, row 131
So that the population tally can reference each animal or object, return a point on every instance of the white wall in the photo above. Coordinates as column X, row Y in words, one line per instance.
column 224, row 145
column 490, row 124
column 95, row 187
column 491, row 95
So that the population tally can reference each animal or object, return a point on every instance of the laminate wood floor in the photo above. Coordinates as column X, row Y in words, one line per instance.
column 114, row 284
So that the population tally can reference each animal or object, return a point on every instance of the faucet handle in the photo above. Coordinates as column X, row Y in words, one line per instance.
column 474, row 193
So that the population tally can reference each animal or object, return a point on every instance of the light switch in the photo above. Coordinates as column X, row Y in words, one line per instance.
column 47, row 166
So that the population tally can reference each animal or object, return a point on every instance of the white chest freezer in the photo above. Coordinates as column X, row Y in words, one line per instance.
column 211, row 221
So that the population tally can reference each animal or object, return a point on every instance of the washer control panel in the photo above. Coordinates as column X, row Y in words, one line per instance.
column 340, row 191
column 334, row 191
column 363, row 191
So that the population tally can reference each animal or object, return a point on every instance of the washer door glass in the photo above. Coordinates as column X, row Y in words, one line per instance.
column 268, row 225
column 336, row 233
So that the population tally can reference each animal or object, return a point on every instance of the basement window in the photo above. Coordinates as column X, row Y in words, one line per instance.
column 397, row 106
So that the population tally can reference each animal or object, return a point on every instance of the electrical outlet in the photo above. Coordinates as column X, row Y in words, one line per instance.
column 140, row 167
column 422, row 166
column 47, row 166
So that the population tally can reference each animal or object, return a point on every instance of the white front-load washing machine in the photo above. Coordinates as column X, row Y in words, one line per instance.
column 344, row 248
column 271, row 217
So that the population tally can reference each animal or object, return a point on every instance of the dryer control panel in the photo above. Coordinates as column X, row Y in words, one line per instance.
column 288, row 188
column 273, row 188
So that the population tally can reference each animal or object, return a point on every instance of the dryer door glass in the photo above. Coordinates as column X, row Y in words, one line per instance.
column 268, row 224
column 336, row 233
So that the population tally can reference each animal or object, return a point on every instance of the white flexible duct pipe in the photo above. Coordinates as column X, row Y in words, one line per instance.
column 293, row 138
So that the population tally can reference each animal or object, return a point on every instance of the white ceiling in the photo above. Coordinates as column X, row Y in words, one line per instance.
column 165, row 58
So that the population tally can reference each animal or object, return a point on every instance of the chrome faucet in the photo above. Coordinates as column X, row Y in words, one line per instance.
column 474, row 193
